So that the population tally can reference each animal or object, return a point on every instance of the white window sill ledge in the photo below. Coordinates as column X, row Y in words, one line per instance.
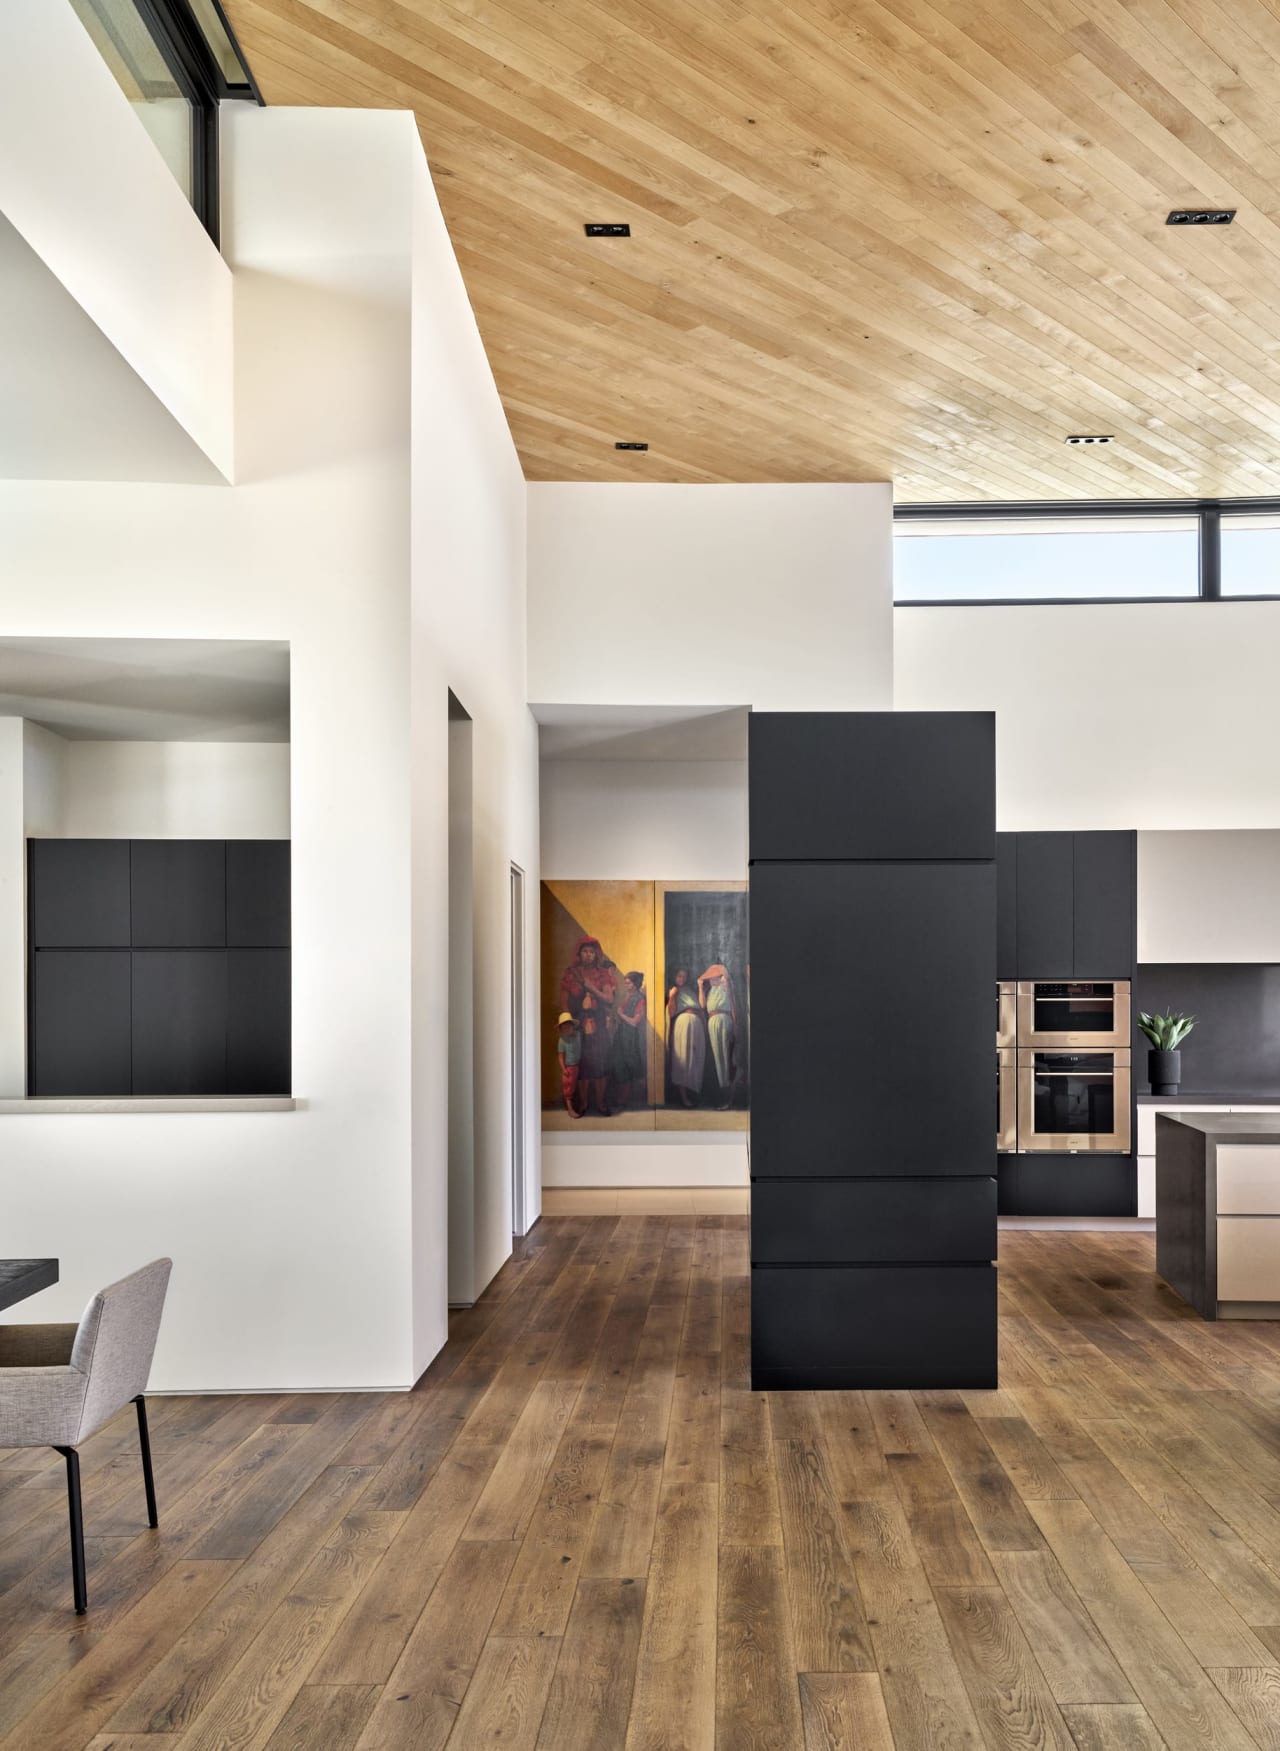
column 56, row 1105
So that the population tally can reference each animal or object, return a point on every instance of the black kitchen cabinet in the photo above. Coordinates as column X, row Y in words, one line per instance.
column 871, row 784
column 79, row 1042
column 180, row 1022
column 1046, row 906
column 1104, row 895
column 258, row 893
column 178, row 893
column 872, row 1221
column 258, row 1021
column 1076, row 1185
column 910, row 1327
column 1006, row 905
column 79, row 893
column 1066, row 905
column 872, row 1016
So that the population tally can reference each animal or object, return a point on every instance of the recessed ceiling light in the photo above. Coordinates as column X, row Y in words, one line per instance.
column 1201, row 216
column 607, row 230
column 1091, row 438
column 631, row 446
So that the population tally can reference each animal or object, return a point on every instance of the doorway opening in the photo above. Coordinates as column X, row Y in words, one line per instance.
column 519, row 1217
column 461, row 1018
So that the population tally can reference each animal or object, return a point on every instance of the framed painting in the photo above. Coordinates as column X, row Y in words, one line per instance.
column 703, row 955
column 600, row 1052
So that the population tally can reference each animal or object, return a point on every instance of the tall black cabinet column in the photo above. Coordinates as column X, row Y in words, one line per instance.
column 873, row 953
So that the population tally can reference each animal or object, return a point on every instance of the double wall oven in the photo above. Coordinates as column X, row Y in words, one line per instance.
column 1062, row 1066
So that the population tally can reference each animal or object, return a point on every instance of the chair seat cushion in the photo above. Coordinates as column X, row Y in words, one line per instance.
column 40, row 1407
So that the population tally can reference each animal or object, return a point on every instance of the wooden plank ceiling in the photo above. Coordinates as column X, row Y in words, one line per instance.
column 915, row 240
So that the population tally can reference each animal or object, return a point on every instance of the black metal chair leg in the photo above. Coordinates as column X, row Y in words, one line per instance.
column 144, row 1441
column 78, row 1585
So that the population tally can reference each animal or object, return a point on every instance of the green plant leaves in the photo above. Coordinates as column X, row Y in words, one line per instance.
column 1166, row 1032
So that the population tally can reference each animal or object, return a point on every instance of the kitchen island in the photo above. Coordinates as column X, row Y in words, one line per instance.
column 1218, row 1212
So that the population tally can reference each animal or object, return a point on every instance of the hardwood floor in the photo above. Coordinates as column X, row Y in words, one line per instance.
column 583, row 1531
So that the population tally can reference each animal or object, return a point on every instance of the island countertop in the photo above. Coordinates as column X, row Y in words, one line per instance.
column 1218, row 1211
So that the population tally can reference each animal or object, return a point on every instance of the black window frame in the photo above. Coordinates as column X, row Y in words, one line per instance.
column 182, row 44
column 1207, row 512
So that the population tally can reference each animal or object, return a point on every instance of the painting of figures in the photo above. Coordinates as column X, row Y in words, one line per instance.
column 704, row 957
column 599, row 1050
column 646, row 1006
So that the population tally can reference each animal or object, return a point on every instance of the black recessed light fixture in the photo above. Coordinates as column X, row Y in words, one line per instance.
column 607, row 230
column 1201, row 216
column 1091, row 438
column 631, row 446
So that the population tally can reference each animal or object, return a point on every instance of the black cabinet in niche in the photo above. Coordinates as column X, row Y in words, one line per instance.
column 258, row 1021
column 1076, row 1185
column 258, row 893
column 78, row 893
column 132, row 987
column 79, row 1041
column 178, row 893
column 179, row 1022
column 1067, row 904
column 872, row 1017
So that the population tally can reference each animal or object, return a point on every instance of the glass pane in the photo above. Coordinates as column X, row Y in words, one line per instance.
column 141, row 72
column 219, row 41
column 1038, row 559
column 1251, row 555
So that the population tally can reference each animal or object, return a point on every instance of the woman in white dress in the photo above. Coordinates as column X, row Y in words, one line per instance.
column 715, row 995
column 688, row 1037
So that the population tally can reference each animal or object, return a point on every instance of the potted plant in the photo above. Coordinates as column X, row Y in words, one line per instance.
column 1164, row 1060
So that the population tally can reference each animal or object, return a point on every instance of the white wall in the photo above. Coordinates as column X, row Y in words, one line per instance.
column 298, row 1238
column 778, row 597
column 89, row 191
column 644, row 820
column 469, row 635
column 1209, row 896
column 176, row 790
column 1150, row 715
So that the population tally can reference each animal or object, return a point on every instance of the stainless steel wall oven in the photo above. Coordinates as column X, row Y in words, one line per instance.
column 1059, row 1015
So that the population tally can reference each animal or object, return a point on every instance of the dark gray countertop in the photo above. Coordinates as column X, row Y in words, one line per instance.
column 1202, row 1098
column 1228, row 1127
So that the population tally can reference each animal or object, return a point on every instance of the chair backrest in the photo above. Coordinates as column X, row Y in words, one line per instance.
column 116, row 1340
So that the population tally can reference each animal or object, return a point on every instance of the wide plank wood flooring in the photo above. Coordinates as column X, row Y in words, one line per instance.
column 584, row 1531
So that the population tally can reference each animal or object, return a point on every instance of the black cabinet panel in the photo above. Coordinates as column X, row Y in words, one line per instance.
column 258, row 893
column 1076, row 1185
column 1045, row 906
column 1105, row 886
column 178, row 893
column 874, row 1326
column 872, row 1019
column 1006, row 905
column 79, row 893
column 869, row 1221
column 1007, row 1185
column 179, row 1022
column 80, row 1023
column 872, row 784
column 258, row 1021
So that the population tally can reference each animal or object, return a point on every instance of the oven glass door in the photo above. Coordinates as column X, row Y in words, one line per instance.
column 1073, row 1013
column 1073, row 1101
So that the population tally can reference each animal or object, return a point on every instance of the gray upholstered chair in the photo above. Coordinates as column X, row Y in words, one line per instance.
column 58, row 1383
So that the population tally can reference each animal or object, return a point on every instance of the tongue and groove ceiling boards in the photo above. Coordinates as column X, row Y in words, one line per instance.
column 913, row 240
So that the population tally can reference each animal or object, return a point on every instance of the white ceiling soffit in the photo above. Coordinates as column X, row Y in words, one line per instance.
column 148, row 689
column 642, row 732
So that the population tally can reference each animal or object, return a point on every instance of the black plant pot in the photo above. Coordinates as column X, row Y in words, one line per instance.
column 1164, row 1070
